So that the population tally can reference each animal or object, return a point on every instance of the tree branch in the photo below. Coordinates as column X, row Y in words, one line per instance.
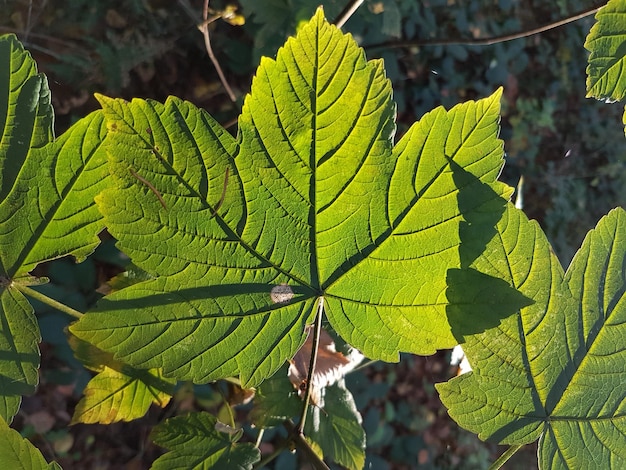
column 204, row 29
column 484, row 41
column 347, row 12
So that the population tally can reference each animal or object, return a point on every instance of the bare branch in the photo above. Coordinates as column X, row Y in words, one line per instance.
column 484, row 41
column 204, row 29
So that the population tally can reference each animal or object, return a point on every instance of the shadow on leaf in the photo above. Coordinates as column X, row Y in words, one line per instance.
column 477, row 301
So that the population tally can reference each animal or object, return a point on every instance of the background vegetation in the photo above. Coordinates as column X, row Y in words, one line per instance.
column 570, row 151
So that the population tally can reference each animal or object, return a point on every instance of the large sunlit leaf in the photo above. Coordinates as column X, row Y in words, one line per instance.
column 310, row 209
column 556, row 370
column 606, row 72
column 197, row 440
column 47, row 207
column 17, row 452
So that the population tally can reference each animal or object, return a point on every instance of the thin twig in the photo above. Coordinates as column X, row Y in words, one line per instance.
column 208, row 21
column 309, row 382
column 347, row 12
column 150, row 186
column 304, row 446
column 28, row 19
column 484, row 41
column 363, row 365
column 221, row 201
column 204, row 29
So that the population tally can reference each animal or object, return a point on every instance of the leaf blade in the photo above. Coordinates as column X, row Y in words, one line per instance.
column 400, row 288
column 26, row 113
column 193, row 441
column 552, row 371
column 300, row 201
column 19, row 361
column 19, row 453
column 607, row 62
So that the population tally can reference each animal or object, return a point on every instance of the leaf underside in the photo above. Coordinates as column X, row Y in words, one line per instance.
column 336, row 428
column 554, row 371
column 311, row 207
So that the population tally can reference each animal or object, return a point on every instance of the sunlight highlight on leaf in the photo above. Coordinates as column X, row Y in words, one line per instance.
column 194, row 441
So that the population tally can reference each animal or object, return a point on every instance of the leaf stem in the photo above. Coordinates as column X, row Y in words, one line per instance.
column 505, row 456
column 309, row 379
column 259, row 438
column 47, row 300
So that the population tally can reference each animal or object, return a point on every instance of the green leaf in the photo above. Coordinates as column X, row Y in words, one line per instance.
column 57, row 216
column 606, row 72
column 118, row 392
column 47, row 207
column 310, row 208
column 194, row 441
column 17, row 453
column 25, row 111
column 114, row 395
column 275, row 401
column 334, row 429
column 337, row 428
column 19, row 351
column 554, row 371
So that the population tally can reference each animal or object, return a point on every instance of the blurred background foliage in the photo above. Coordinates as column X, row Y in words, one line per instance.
column 570, row 150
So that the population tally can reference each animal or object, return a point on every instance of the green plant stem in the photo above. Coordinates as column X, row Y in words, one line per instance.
column 47, row 300
column 259, row 438
column 484, row 41
column 505, row 456
column 309, row 378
